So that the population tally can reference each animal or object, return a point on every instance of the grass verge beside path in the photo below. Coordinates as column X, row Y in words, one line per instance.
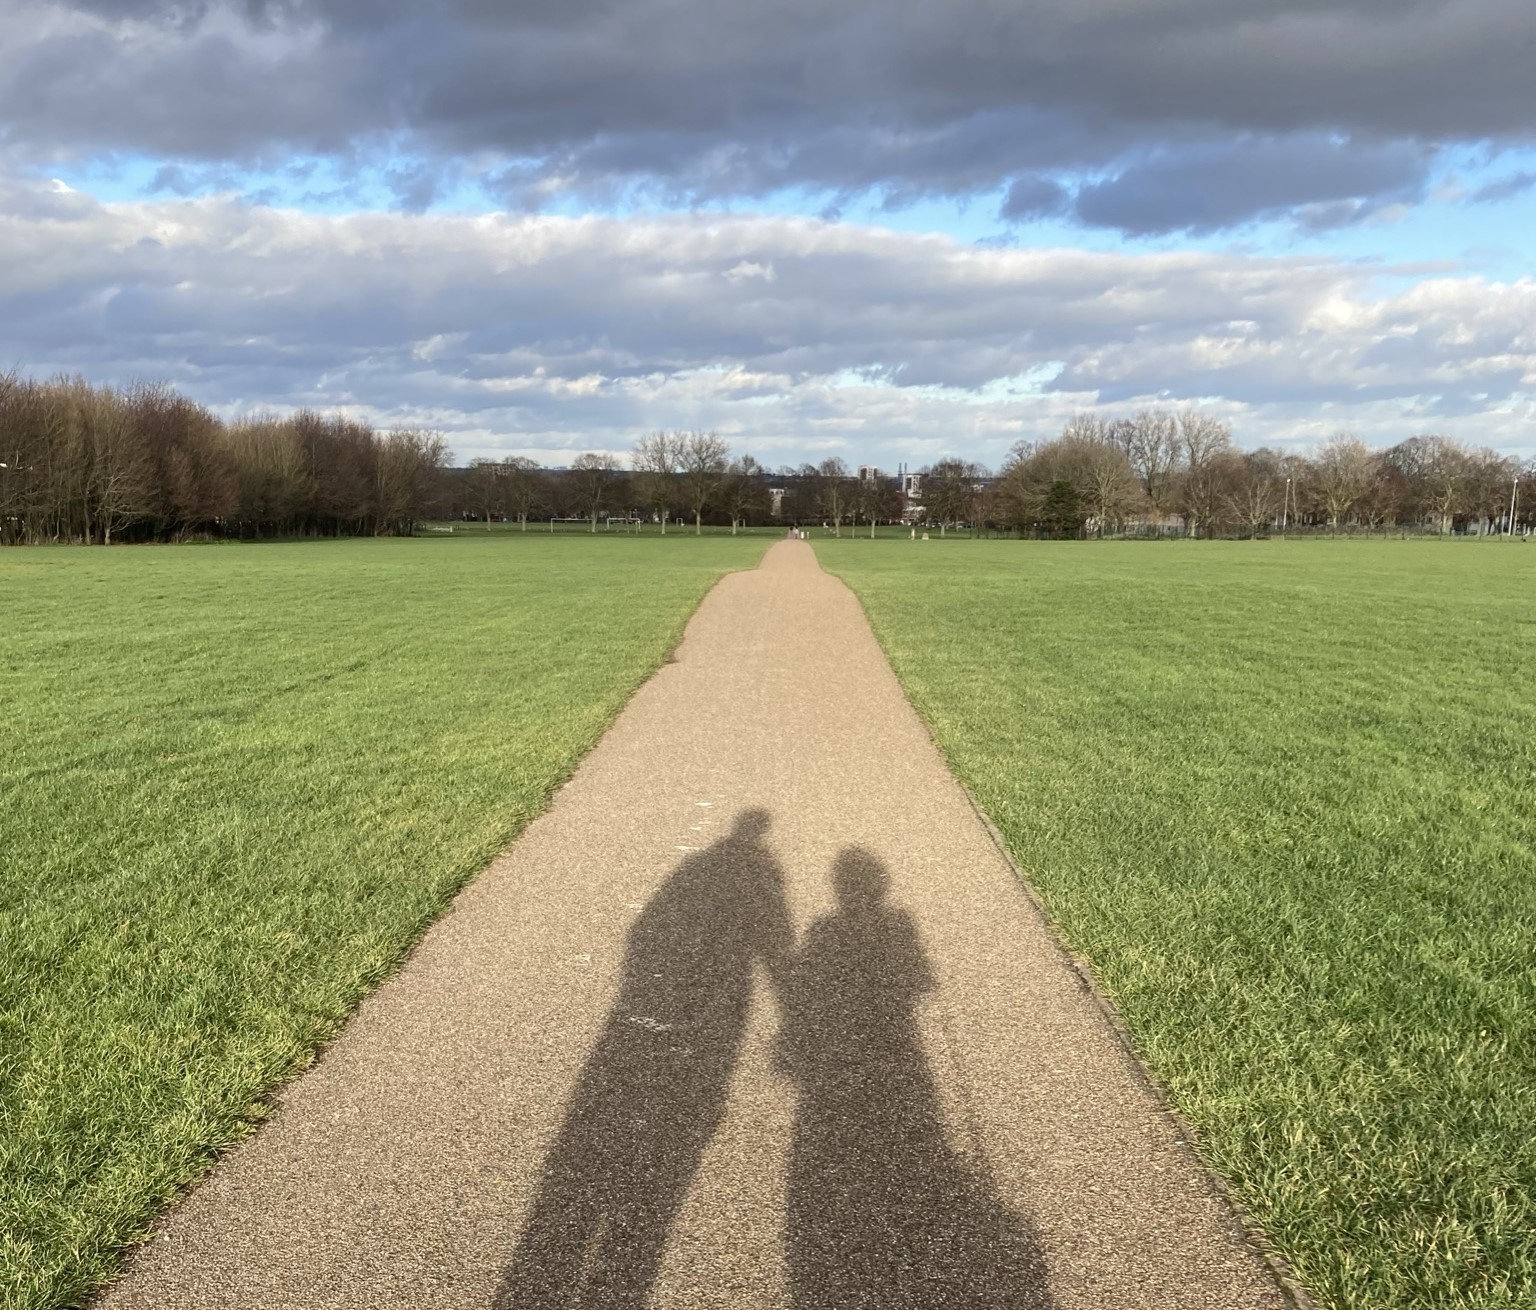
column 236, row 783
column 1283, row 797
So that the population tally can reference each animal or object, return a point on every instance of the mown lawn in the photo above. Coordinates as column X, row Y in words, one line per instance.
column 1282, row 796
column 236, row 782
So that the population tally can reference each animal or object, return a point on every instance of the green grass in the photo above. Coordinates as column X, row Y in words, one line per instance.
column 1282, row 796
column 236, row 783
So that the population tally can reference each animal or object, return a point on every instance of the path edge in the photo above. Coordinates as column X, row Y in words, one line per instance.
column 268, row 1103
column 1257, row 1239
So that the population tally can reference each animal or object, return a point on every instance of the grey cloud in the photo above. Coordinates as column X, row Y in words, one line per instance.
column 698, row 99
column 1505, row 188
column 414, row 188
column 1209, row 187
column 1034, row 197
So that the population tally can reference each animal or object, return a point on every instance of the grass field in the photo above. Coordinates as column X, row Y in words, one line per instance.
column 235, row 784
column 1282, row 797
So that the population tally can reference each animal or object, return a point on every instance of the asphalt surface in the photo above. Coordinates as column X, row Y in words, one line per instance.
column 755, row 1015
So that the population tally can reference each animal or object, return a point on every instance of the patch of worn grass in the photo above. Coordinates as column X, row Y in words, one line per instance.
column 1282, row 796
column 236, row 783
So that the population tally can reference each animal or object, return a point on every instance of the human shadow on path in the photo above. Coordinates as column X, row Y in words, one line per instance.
column 882, row 1212
column 653, row 1090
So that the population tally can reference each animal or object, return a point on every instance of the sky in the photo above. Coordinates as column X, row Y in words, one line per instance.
column 888, row 231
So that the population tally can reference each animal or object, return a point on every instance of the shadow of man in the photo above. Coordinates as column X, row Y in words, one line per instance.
column 653, row 1089
column 882, row 1212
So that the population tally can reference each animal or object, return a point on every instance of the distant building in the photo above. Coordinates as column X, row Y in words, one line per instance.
column 869, row 473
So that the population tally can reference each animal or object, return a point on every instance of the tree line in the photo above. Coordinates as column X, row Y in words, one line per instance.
column 683, row 478
column 81, row 463
column 1163, row 470
column 1160, row 472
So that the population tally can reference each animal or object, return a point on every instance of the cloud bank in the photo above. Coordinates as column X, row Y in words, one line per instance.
column 792, row 336
column 1337, row 107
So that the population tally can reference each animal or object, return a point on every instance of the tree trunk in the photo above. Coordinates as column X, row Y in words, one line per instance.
column 698, row 523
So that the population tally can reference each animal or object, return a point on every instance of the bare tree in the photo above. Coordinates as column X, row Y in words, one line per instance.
column 703, row 460
column 1201, row 438
column 982, row 509
column 592, row 479
column 16, row 456
column 1086, row 427
column 119, row 485
column 656, row 460
column 408, row 459
column 1445, row 474
column 745, row 490
column 1205, row 492
column 1341, row 476
column 272, row 482
column 1489, row 475
column 877, row 498
column 835, row 491
column 486, row 483
column 949, row 490
column 1106, row 483
column 1200, row 485
column 525, row 488
column 1254, row 492
column 1383, row 496
column 192, row 484
column 1151, row 442
column 1014, row 492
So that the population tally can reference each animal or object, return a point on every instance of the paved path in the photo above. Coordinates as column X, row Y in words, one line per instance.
column 756, row 1015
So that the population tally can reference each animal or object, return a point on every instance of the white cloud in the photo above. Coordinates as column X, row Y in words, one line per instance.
column 548, row 334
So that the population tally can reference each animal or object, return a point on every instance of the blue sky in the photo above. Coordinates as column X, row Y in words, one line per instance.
column 889, row 231
column 1452, row 225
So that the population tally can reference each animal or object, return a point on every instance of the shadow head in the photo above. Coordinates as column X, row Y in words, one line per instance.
column 859, row 880
column 751, row 825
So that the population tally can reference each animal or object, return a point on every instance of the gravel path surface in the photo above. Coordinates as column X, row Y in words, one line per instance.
column 755, row 1015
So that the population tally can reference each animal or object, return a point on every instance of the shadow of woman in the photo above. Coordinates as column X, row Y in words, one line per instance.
column 653, row 1089
column 881, row 1210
